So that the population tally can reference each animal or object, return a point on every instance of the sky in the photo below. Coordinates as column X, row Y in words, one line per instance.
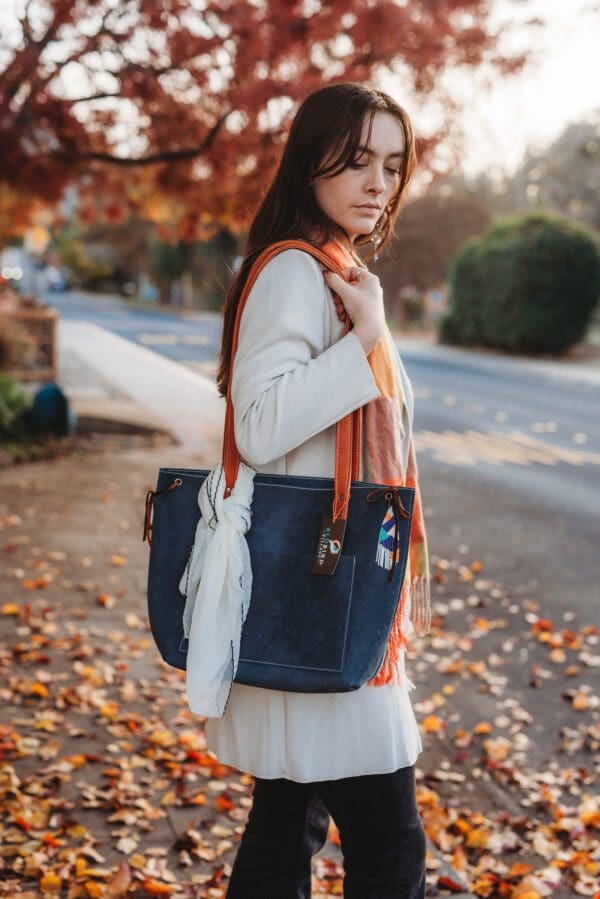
column 559, row 85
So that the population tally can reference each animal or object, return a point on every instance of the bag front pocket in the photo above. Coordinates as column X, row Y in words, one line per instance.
column 298, row 619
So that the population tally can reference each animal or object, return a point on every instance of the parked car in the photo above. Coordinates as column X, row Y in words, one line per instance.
column 55, row 279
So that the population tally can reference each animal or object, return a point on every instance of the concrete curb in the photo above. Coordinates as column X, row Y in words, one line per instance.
column 178, row 400
column 114, row 416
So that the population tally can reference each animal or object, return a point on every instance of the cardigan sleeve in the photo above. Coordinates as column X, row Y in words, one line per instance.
column 287, row 385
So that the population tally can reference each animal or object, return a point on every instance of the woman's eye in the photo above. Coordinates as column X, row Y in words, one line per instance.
column 393, row 171
column 357, row 165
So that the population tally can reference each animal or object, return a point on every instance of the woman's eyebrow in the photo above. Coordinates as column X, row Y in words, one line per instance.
column 371, row 153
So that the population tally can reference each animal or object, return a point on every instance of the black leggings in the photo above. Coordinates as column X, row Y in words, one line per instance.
column 381, row 835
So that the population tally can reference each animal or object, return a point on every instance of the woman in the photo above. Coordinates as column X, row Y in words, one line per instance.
column 345, row 167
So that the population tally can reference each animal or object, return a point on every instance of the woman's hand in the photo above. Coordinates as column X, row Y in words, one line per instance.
column 362, row 301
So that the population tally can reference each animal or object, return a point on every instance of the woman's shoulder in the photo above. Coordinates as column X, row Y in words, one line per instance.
column 291, row 283
column 293, row 263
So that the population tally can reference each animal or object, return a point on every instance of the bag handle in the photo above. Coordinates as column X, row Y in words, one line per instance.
column 348, row 429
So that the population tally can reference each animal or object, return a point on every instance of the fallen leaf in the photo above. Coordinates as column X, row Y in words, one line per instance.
column 433, row 724
column 155, row 888
column 483, row 727
column 118, row 561
column 224, row 803
column 10, row 608
column 50, row 883
column 446, row 883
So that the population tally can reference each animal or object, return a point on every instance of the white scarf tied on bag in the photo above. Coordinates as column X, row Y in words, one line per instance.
column 217, row 583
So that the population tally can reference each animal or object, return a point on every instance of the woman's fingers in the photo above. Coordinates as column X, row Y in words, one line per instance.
column 340, row 309
column 334, row 281
column 355, row 273
column 339, row 306
column 362, row 300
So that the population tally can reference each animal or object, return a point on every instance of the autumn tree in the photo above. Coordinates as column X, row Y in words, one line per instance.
column 178, row 108
column 427, row 234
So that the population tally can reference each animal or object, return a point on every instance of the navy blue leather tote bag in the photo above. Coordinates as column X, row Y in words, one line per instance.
column 321, row 607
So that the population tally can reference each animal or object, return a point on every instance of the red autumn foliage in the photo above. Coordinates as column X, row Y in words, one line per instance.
column 180, row 112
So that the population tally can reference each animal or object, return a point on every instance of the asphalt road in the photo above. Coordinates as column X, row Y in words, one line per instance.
column 512, row 457
column 509, row 455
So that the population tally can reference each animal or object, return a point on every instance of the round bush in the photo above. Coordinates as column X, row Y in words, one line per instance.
column 529, row 284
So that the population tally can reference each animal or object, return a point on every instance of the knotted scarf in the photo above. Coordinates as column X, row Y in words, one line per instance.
column 387, row 432
column 217, row 583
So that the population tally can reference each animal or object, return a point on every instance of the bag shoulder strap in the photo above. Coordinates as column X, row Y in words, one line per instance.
column 348, row 429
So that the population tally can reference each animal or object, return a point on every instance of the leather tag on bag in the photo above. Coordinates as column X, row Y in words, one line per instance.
column 329, row 545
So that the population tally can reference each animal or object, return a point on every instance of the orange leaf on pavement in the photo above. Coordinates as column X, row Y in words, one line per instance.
column 156, row 888
column 433, row 724
column 50, row 883
column 519, row 869
column 10, row 608
column 482, row 728
column 118, row 560
column 446, row 883
column 224, row 803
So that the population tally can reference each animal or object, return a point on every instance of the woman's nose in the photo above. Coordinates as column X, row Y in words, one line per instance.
column 376, row 182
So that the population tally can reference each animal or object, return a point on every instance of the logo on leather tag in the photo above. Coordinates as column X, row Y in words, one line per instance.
column 329, row 546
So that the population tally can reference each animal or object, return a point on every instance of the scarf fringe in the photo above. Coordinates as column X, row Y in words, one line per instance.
column 420, row 607
column 420, row 618
column 389, row 671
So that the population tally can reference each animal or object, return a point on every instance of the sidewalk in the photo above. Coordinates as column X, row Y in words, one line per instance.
column 104, row 374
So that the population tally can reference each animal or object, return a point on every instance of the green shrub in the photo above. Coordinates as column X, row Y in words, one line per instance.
column 14, row 405
column 529, row 284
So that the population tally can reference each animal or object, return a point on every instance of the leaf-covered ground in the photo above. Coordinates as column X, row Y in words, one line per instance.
column 106, row 785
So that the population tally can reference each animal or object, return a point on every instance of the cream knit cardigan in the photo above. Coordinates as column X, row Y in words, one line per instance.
column 295, row 375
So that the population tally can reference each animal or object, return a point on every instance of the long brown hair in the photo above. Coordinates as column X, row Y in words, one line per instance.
column 327, row 126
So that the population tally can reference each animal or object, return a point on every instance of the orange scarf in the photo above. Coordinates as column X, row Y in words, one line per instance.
column 382, row 419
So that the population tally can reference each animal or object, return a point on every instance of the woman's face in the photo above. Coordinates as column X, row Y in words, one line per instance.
column 355, row 198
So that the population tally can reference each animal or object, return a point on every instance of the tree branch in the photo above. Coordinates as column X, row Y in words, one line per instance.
column 70, row 101
column 162, row 156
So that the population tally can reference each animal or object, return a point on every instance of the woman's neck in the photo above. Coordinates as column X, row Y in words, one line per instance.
column 343, row 242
